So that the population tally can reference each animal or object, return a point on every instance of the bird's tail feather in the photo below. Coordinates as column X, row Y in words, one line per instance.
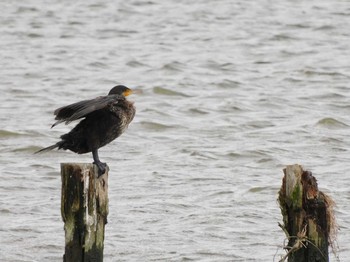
column 58, row 144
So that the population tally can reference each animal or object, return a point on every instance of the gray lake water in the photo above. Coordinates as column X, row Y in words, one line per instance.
column 233, row 91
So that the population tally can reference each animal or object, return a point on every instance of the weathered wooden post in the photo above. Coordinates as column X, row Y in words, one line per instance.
column 307, row 215
column 84, row 209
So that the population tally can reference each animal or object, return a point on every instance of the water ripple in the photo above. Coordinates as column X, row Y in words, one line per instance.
column 167, row 92
column 330, row 122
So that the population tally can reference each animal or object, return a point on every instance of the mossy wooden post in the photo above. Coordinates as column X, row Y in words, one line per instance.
column 306, row 216
column 84, row 209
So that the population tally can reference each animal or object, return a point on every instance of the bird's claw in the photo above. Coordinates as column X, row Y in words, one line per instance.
column 102, row 167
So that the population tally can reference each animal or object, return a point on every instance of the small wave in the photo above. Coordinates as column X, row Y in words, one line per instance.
column 155, row 126
column 197, row 111
column 226, row 83
column 135, row 63
column 5, row 134
column 331, row 123
column 167, row 92
column 196, row 179
column 234, row 155
column 282, row 37
column 76, row 23
column 221, row 193
column 293, row 79
column 262, row 62
column 203, row 155
column 5, row 211
column 63, row 36
column 29, row 149
column 25, row 9
column 98, row 65
column 173, row 66
column 257, row 189
column 298, row 26
column 324, row 28
column 34, row 35
column 322, row 73
column 219, row 66
column 259, row 124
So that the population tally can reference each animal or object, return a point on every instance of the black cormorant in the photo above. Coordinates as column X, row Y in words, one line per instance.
column 105, row 119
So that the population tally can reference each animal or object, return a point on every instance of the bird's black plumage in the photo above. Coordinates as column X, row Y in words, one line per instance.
column 105, row 119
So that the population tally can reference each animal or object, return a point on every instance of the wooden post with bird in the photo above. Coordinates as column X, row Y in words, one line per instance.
column 84, row 209
column 84, row 204
column 308, row 217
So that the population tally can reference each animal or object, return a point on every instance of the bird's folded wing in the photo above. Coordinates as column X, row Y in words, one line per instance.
column 81, row 109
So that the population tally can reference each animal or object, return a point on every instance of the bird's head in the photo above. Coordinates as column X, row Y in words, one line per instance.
column 120, row 90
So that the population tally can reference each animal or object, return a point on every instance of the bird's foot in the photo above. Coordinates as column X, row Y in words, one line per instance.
column 102, row 167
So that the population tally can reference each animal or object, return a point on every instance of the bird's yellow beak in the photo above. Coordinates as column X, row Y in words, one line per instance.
column 130, row 91
column 127, row 92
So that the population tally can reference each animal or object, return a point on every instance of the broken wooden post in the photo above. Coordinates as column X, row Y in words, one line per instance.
column 84, row 209
column 307, row 215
